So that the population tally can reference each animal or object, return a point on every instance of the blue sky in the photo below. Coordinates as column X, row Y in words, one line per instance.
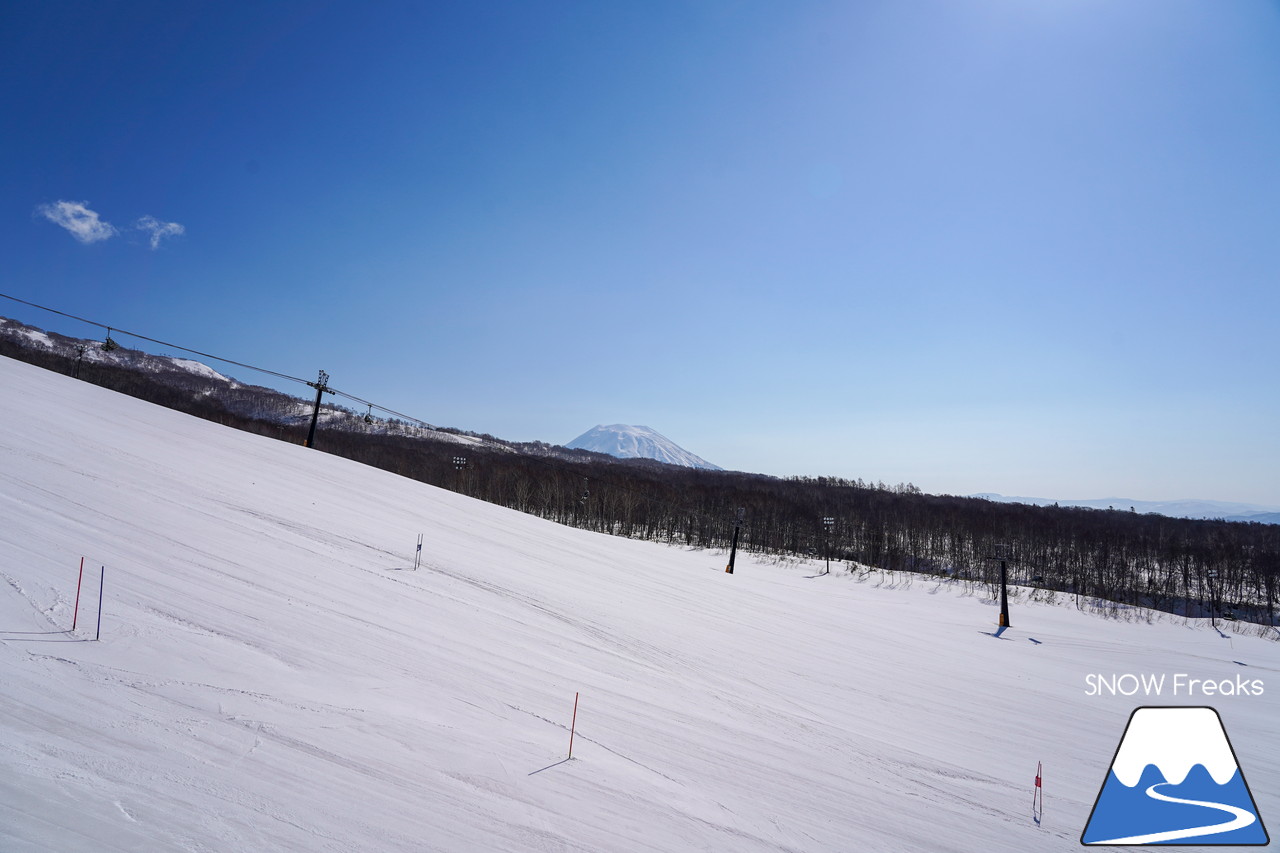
column 991, row 245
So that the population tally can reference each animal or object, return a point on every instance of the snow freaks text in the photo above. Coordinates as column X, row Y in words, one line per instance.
column 1179, row 685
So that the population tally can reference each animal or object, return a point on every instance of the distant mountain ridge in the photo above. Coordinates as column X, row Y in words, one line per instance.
column 195, row 380
column 1186, row 508
column 196, row 388
column 638, row 442
column 100, row 352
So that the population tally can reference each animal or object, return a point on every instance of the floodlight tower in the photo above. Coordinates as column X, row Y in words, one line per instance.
column 1213, row 598
column 827, row 523
column 581, row 505
column 459, row 465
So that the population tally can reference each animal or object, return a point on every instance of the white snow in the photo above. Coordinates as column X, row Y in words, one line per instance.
column 198, row 368
column 272, row 676
column 35, row 336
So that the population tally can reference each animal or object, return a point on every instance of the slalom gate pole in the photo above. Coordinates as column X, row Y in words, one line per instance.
column 79, row 583
column 102, row 577
column 1037, row 795
column 574, row 724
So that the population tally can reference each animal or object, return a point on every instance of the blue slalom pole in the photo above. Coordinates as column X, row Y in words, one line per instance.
column 102, row 577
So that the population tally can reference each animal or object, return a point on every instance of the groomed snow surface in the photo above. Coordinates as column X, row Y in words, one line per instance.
column 273, row 676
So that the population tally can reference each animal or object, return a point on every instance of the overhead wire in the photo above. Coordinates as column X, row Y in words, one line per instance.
column 392, row 412
column 544, row 460
column 225, row 360
column 155, row 341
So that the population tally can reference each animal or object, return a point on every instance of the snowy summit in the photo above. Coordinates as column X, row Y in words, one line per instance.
column 638, row 442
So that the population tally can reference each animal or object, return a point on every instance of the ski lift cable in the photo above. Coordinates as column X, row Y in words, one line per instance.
column 393, row 412
column 155, row 341
column 218, row 358
column 559, row 466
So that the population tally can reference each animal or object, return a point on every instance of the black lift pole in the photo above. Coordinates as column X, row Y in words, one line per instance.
column 1004, row 595
column 733, row 549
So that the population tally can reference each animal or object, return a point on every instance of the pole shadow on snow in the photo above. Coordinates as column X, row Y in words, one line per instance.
column 16, row 640
column 6, row 637
column 997, row 632
column 549, row 766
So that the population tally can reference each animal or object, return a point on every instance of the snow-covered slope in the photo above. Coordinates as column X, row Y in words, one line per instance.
column 637, row 442
column 273, row 676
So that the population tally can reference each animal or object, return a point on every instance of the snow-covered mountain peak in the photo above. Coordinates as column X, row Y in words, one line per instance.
column 637, row 442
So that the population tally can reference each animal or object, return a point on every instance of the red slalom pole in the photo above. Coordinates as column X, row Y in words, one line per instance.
column 573, row 725
column 78, row 585
column 1037, row 795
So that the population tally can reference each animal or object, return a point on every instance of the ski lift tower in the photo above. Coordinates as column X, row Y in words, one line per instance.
column 1002, row 552
column 322, row 387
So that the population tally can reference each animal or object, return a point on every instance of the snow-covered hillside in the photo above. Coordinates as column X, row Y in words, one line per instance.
column 197, row 380
column 93, row 352
column 637, row 442
column 272, row 675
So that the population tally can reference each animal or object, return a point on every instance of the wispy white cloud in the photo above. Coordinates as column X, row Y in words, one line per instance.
column 87, row 227
column 76, row 217
column 158, row 230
